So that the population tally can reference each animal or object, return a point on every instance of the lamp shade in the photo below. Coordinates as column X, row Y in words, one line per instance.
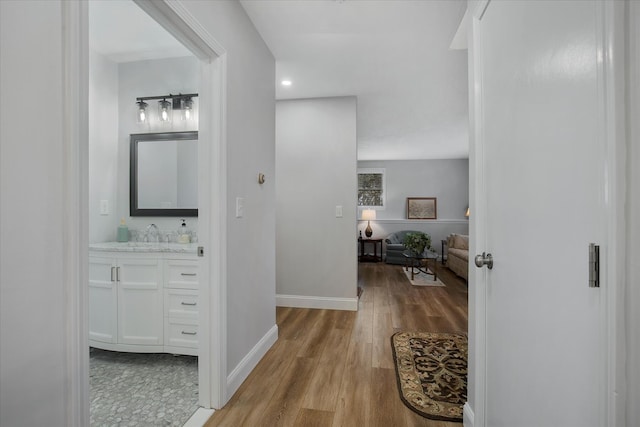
column 368, row 214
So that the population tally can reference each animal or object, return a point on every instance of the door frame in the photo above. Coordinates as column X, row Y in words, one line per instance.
column 610, row 29
column 212, row 174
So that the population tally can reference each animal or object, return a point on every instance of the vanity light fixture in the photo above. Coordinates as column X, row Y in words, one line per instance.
column 166, row 103
column 286, row 83
column 141, row 116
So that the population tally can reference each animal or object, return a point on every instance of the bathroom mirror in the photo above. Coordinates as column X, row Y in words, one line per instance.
column 164, row 174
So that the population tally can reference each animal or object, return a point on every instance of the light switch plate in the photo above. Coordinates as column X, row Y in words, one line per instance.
column 104, row 207
column 239, row 207
column 338, row 211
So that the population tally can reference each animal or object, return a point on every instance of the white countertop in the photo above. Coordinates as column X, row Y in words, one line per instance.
column 184, row 248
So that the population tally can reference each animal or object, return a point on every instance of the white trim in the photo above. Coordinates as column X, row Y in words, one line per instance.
column 418, row 221
column 467, row 415
column 629, row 347
column 612, row 100
column 250, row 361
column 477, row 227
column 75, row 230
column 325, row 303
column 212, row 354
column 199, row 418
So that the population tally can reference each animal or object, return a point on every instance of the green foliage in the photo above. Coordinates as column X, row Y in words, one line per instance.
column 417, row 242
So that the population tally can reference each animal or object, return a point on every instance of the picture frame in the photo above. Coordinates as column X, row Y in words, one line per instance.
column 422, row 208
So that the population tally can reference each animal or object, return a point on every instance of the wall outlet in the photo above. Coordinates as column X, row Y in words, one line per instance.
column 104, row 207
column 339, row 211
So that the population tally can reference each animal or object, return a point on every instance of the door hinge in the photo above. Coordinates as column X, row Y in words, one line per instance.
column 594, row 265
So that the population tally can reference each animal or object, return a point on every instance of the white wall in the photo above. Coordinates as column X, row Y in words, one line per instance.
column 447, row 180
column 103, row 146
column 151, row 78
column 32, row 304
column 250, row 114
column 316, row 171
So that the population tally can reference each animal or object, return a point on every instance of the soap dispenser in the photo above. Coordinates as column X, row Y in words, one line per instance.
column 123, row 232
column 183, row 233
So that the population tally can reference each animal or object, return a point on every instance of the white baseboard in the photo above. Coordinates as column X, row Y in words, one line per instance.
column 199, row 418
column 327, row 303
column 467, row 415
column 246, row 365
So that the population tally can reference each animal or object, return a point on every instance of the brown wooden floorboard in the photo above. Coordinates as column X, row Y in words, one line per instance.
column 335, row 368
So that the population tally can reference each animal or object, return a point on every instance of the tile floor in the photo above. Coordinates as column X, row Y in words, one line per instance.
column 133, row 389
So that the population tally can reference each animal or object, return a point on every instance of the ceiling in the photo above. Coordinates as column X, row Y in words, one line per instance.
column 122, row 32
column 392, row 54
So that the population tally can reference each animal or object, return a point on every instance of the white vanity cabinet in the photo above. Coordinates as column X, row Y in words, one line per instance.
column 143, row 301
column 181, row 306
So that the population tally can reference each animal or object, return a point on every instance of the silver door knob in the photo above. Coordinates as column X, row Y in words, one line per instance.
column 484, row 259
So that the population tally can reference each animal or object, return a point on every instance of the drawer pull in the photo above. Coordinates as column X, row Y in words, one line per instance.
column 188, row 303
column 188, row 333
column 187, row 274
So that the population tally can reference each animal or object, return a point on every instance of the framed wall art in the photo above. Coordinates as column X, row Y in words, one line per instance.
column 422, row 208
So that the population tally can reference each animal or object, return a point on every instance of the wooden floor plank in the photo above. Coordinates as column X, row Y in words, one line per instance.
column 314, row 418
column 346, row 376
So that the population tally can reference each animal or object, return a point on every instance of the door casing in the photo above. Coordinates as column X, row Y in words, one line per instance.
column 177, row 20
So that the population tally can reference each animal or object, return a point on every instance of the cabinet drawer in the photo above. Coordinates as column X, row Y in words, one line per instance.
column 181, row 274
column 181, row 333
column 181, row 303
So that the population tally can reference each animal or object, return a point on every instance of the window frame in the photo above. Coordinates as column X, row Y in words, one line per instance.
column 381, row 171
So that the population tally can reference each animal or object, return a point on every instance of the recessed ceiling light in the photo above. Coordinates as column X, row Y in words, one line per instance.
column 286, row 83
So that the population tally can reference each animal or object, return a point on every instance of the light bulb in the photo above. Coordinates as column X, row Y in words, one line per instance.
column 142, row 111
column 187, row 107
column 165, row 110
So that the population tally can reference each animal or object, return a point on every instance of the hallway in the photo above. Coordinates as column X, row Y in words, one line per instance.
column 335, row 368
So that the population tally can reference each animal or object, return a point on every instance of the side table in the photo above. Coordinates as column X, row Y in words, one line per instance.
column 364, row 257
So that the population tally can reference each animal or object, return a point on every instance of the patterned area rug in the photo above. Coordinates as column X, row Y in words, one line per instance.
column 422, row 279
column 431, row 369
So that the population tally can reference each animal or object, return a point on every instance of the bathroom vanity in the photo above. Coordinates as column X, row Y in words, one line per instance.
column 144, row 297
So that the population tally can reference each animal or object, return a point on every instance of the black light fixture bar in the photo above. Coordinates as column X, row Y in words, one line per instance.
column 170, row 96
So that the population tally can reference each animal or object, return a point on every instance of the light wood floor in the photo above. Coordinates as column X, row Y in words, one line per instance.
column 335, row 368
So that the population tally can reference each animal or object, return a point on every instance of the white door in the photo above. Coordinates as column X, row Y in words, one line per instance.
column 542, row 154
column 103, row 300
column 140, row 301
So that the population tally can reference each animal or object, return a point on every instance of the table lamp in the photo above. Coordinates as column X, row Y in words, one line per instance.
column 368, row 215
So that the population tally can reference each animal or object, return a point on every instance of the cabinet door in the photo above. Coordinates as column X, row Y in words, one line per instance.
column 103, row 297
column 140, row 301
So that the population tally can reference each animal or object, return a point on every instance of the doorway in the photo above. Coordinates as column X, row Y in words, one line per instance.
column 211, row 167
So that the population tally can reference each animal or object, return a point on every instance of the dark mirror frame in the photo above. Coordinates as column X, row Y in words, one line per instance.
column 133, row 173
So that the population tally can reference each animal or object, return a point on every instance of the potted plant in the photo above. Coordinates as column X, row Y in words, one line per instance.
column 417, row 242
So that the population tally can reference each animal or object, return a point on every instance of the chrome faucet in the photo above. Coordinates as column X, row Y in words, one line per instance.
column 153, row 234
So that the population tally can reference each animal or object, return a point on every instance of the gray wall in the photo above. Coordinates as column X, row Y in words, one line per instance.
column 250, row 114
column 103, row 147
column 33, row 334
column 316, row 171
column 447, row 180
